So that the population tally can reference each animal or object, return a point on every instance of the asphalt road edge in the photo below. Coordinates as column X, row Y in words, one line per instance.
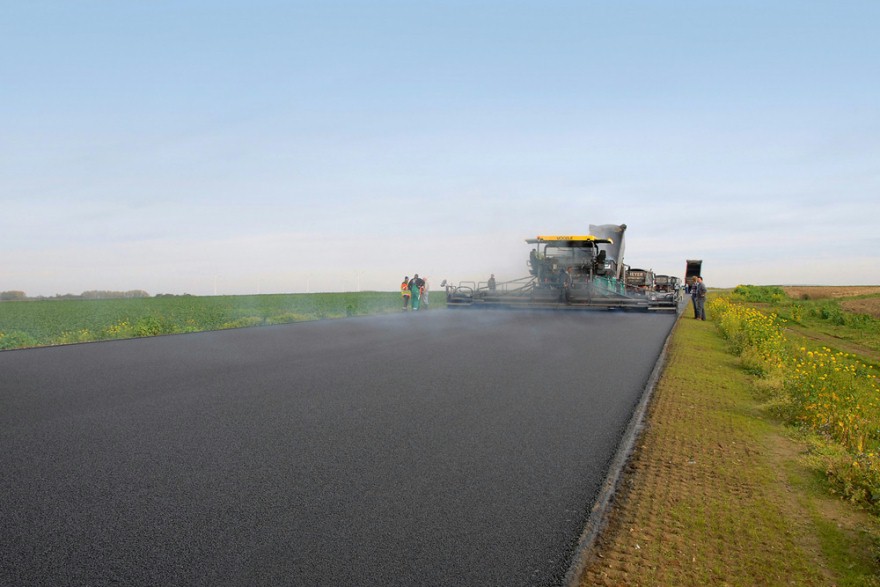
column 599, row 514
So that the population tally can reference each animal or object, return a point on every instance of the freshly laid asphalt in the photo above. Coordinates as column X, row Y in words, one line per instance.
column 461, row 448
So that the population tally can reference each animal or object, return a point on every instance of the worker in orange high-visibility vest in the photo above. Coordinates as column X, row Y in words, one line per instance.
column 405, row 293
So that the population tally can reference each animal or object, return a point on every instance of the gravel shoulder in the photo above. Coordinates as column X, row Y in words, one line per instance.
column 717, row 493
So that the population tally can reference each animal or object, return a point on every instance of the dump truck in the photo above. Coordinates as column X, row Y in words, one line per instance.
column 667, row 290
column 640, row 280
column 564, row 272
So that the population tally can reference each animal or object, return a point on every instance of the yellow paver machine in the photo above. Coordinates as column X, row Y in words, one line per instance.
column 566, row 272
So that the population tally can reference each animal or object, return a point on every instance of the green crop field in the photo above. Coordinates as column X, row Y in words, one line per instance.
column 50, row 322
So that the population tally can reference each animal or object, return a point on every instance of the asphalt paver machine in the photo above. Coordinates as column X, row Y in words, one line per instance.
column 566, row 272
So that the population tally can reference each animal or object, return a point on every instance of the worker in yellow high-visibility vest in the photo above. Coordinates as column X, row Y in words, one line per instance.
column 405, row 293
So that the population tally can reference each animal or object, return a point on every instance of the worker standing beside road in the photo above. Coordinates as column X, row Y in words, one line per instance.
column 405, row 293
column 415, row 285
column 423, row 301
column 698, row 295
column 492, row 282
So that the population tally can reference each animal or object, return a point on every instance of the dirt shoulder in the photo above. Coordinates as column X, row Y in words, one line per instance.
column 717, row 493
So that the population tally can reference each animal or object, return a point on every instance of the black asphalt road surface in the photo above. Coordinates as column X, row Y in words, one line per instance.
column 460, row 448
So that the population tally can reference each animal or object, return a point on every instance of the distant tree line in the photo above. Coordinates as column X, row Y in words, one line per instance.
column 12, row 296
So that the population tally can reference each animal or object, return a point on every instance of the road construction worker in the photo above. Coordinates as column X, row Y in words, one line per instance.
column 698, row 295
column 565, row 285
column 415, row 285
column 405, row 293
column 423, row 298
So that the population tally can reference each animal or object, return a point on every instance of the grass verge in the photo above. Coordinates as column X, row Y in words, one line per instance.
column 719, row 493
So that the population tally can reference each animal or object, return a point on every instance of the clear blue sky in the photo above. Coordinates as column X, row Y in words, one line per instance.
column 244, row 147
